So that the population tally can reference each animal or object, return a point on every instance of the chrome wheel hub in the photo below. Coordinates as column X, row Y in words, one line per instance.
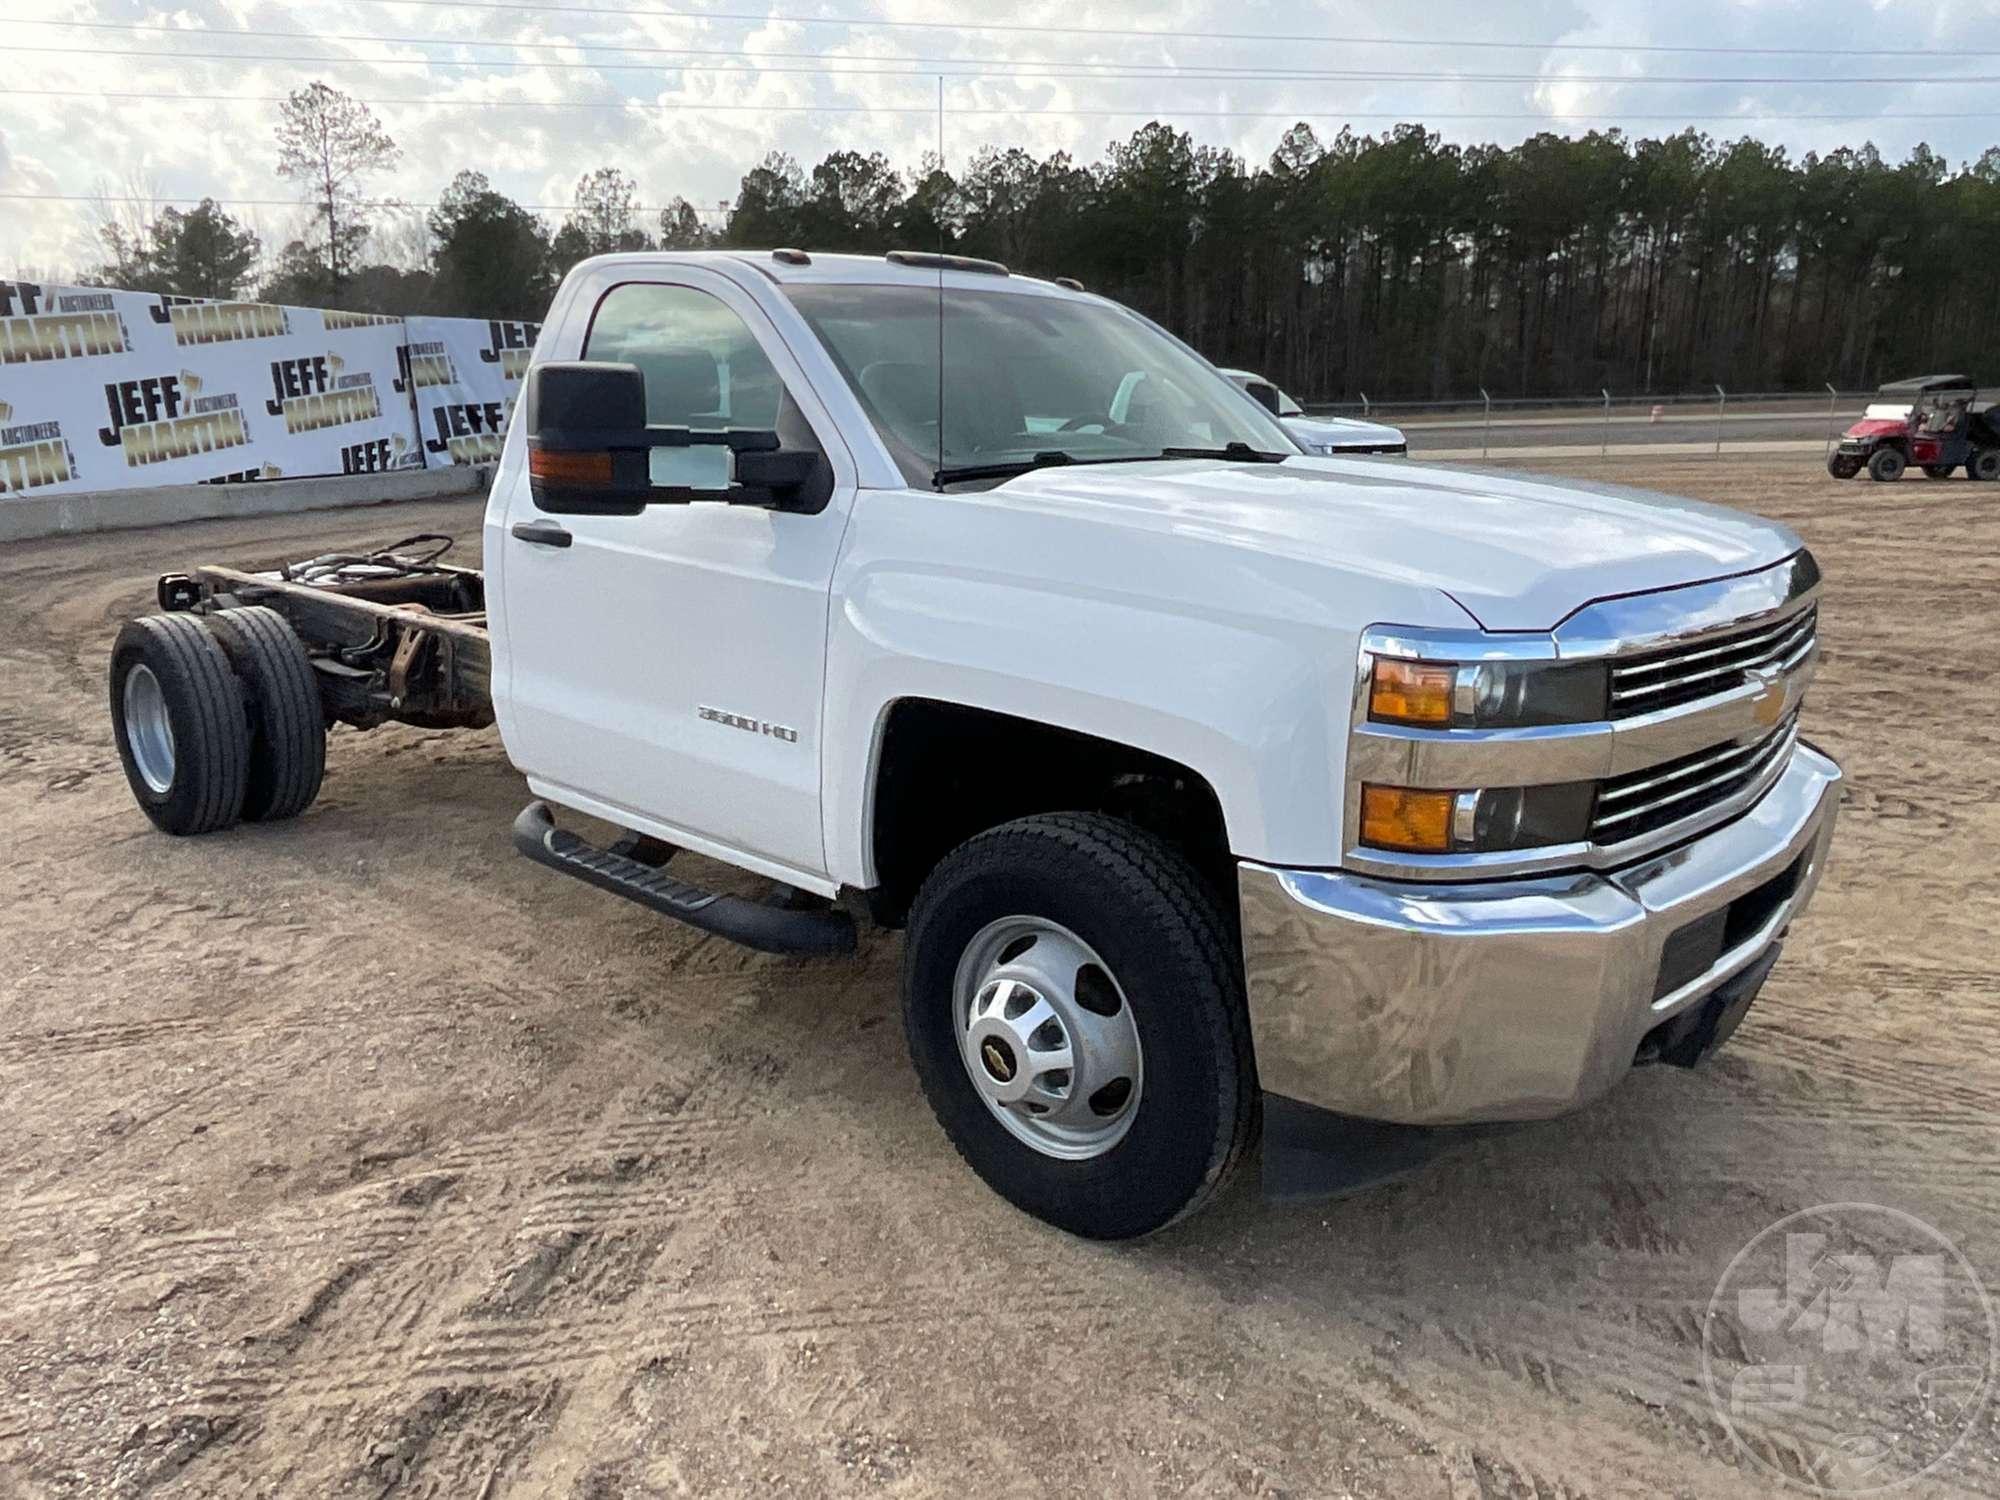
column 148, row 731
column 1047, row 1038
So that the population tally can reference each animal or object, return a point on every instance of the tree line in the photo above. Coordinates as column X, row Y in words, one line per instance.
column 1398, row 265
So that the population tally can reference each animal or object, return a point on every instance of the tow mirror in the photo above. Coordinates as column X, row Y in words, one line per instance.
column 1264, row 395
column 780, row 472
column 587, row 453
column 591, row 452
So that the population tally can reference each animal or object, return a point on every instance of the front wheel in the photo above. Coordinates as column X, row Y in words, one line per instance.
column 1076, row 1017
column 1843, row 465
column 1985, row 464
column 1887, row 465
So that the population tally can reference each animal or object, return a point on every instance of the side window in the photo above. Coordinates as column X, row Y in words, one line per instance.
column 703, row 369
column 1266, row 395
column 702, row 366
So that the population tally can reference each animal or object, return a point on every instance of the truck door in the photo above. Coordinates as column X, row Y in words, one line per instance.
column 666, row 669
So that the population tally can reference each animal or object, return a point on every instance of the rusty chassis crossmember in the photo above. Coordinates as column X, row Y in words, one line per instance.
column 411, row 648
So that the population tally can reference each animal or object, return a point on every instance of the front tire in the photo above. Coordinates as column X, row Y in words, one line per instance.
column 177, row 714
column 1843, row 466
column 1079, row 940
column 1985, row 465
column 1886, row 465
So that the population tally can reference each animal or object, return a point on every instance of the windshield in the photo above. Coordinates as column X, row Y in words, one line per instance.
column 1028, row 380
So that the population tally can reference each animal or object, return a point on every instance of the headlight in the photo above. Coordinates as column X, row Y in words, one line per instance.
column 1414, row 820
column 1487, row 694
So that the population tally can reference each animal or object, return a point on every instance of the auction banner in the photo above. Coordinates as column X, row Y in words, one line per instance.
column 466, row 377
column 103, row 389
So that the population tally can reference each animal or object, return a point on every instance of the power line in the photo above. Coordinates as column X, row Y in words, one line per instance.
column 226, row 202
column 925, row 67
column 1171, row 111
column 1128, row 33
column 1344, row 75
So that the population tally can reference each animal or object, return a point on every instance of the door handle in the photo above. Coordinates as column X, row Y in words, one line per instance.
column 541, row 533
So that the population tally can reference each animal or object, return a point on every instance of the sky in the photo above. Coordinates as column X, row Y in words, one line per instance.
column 117, row 115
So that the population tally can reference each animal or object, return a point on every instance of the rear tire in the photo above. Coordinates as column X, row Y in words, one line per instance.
column 1083, row 886
column 1886, row 465
column 178, row 716
column 1985, row 465
column 287, row 725
column 1939, row 471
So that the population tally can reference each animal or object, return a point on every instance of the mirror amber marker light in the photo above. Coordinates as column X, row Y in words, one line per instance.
column 560, row 466
column 1396, row 817
column 1410, row 692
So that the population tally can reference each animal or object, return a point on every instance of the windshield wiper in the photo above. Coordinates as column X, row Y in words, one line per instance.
column 1239, row 451
column 1057, row 458
column 1052, row 458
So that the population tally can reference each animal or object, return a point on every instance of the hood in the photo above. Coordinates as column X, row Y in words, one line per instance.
column 1340, row 430
column 1869, row 427
column 1514, row 553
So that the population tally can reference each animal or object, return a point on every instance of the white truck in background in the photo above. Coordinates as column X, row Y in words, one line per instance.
column 1334, row 436
column 1213, row 783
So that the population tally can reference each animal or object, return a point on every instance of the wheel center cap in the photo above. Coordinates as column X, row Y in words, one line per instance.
column 998, row 1059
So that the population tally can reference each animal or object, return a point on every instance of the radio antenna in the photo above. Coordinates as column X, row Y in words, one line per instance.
column 937, row 213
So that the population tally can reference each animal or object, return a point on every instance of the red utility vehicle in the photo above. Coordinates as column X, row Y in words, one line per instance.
column 1930, row 422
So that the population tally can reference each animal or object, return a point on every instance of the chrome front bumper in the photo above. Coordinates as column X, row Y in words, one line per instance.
column 1516, row 999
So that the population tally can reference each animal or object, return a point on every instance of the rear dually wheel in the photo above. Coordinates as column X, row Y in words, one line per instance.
column 287, row 725
column 178, row 717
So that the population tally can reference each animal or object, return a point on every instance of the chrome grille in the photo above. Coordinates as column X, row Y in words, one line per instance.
column 1642, row 802
column 1711, row 664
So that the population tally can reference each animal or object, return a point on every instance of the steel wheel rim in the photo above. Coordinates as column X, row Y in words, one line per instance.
column 1047, row 1038
column 149, row 733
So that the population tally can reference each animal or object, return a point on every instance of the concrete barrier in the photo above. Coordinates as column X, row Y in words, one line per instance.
column 23, row 517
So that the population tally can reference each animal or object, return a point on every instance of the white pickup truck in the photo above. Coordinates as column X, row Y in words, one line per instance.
column 1213, row 784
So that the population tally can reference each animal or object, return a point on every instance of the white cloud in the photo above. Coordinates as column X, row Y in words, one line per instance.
column 723, row 122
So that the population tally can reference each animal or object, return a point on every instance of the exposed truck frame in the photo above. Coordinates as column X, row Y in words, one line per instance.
column 409, row 647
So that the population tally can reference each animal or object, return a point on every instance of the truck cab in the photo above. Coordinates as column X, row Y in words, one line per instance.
column 1215, row 786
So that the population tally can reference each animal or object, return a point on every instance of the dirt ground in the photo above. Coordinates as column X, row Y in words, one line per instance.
column 360, row 1156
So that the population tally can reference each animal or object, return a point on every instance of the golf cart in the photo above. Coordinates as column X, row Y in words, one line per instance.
column 1930, row 422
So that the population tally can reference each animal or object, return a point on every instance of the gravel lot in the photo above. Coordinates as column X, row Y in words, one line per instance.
column 358, row 1155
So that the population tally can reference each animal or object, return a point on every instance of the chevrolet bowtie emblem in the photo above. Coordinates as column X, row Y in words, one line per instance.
column 1769, row 705
column 997, row 1061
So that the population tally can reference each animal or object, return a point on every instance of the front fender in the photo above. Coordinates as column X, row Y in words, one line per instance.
column 1151, row 641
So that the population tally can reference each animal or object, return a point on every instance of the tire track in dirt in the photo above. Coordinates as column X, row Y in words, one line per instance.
column 1573, row 1367
column 527, row 1188
column 494, row 1343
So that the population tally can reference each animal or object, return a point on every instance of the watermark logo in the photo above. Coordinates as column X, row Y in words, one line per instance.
column 1849, row 1348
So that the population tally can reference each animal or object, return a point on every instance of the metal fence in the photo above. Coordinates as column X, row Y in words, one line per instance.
column 1577, row 415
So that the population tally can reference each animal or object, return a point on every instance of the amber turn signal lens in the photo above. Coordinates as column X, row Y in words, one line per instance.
column 1411, row 692
column 557, row 466
column 1396, row 817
